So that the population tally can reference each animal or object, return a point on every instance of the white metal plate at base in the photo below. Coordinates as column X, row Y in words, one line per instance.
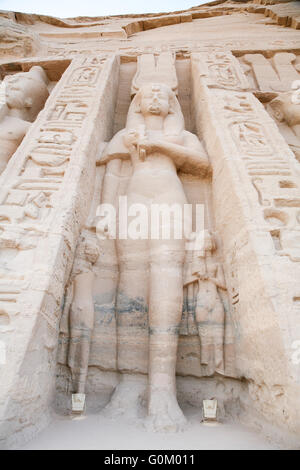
column 78, row 402
column 210, row 409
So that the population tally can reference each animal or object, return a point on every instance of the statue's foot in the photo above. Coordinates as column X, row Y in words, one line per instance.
column 127, row 399
column 164, row 413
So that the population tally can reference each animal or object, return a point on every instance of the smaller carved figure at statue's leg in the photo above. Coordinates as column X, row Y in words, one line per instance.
column 218, row 320
column 78, row 357
column 165, row 310
column 203, row 306
column 81, row 327
column 210, row 322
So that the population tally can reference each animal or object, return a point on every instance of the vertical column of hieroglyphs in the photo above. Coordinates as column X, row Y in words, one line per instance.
column 44, row 196
column 257, row 208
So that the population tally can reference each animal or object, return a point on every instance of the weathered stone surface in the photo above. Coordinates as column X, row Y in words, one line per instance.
column 198, row 106
column 52, row 162
column 16, row 40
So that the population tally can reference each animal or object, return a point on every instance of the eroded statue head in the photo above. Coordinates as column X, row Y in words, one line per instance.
column 284, row 108
column 27, row 91
column 155, row 99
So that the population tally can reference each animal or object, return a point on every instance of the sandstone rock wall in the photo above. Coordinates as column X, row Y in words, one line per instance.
column 236, row 64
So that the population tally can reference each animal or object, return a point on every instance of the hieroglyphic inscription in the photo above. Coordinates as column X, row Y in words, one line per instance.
column 221, row 70
column 27, row 203
column 270, row 166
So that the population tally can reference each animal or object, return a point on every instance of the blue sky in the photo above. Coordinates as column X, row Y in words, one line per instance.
column 71, row 8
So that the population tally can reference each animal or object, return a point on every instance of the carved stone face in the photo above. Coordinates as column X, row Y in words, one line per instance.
column 24, row 91
column 285, row 110
column 155, row 100
column 19, row 90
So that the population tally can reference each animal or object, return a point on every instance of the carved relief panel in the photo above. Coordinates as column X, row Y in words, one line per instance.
column 273, row 172
column 285, row 110
column 221, row 70
column 271, row 75
column 40, row 215
column 257, row 196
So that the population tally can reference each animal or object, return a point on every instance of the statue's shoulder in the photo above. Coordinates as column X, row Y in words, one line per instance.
column 115, row 148
column 192, row 139
column 13, row 128
column 117, row 141
column 189, row 135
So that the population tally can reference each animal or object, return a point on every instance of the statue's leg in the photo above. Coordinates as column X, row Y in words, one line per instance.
column 132, row 329
column 165, row 310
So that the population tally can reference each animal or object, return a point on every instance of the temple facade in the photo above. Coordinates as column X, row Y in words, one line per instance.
column 127, row 117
